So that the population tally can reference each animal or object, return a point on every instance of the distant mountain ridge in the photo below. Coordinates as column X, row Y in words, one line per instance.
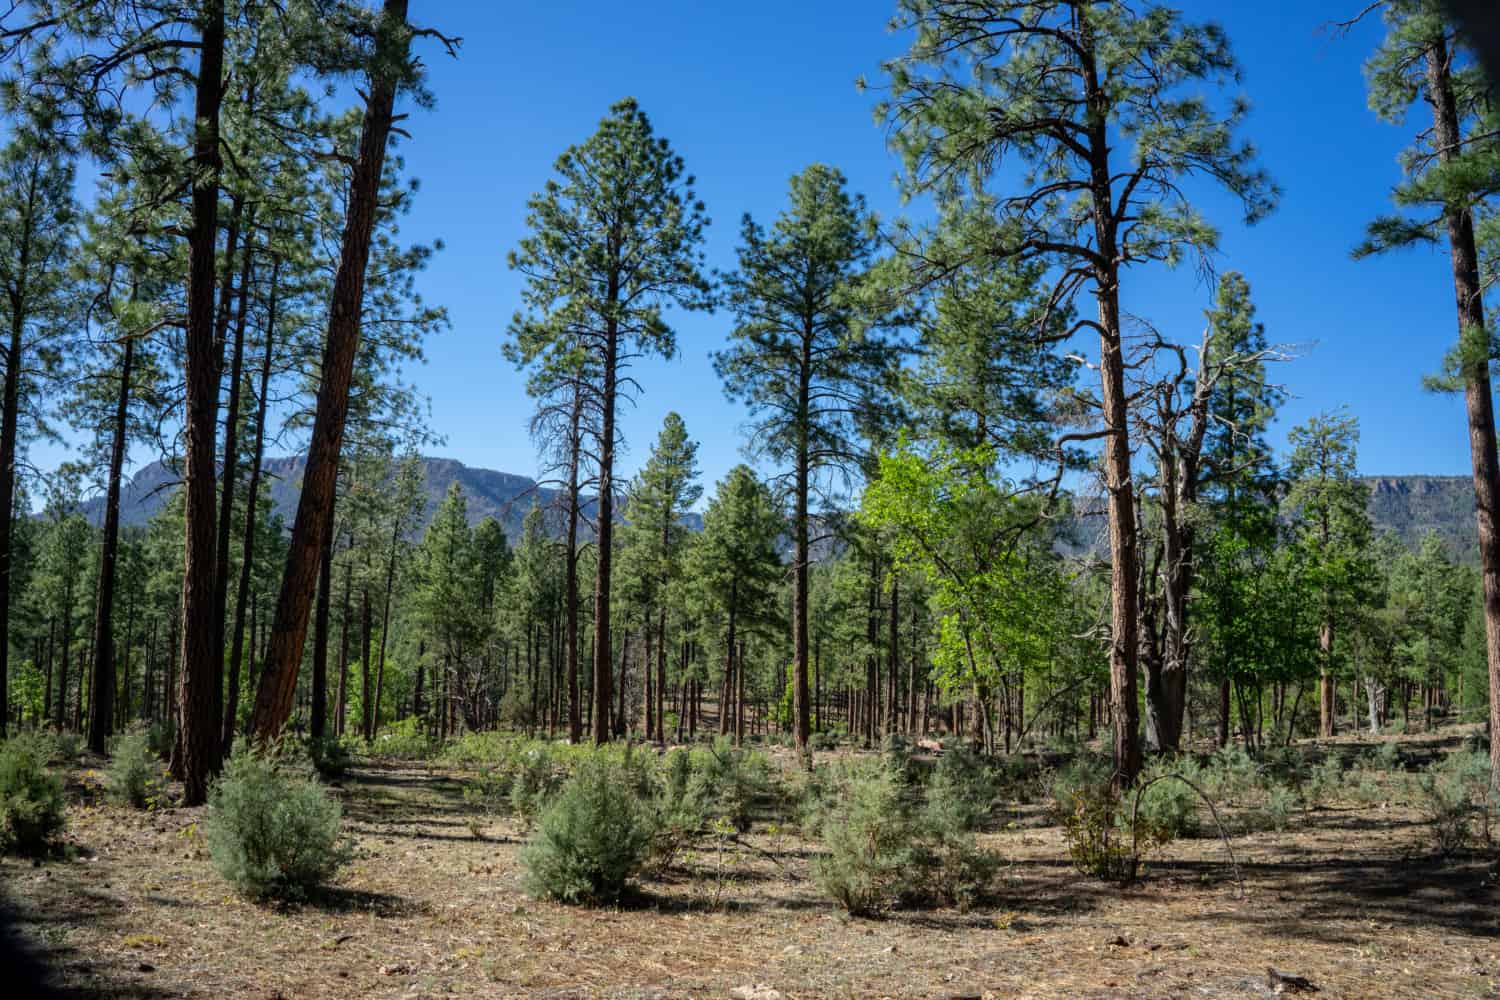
column 1408, row 506
column 502, row 495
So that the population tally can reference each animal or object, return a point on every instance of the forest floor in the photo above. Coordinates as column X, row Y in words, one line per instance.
column 1352, row 898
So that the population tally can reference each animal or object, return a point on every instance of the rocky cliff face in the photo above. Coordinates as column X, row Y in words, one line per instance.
column 1411, row 506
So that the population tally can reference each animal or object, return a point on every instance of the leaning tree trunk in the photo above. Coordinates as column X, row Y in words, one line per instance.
column 102, row 707
column 278, row 683
column 202, row 657
column 318, row 710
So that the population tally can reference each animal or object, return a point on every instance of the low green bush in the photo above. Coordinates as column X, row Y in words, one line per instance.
column 866, row 826
column 1168, row 807
column 31, row 797
column 272, row 832
column 592, row 839
column 1325, row 782
column 886, row 844
column 134, row 776
column 1231, row 774
column 406, row 740
column 65, row 747
column 1107, row 837
column 962, row 790
column 1452, row 795
column 536, row 779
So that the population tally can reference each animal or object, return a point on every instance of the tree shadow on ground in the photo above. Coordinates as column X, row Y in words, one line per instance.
column 40, row 964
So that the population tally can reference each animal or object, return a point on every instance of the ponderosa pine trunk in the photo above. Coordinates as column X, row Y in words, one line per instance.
column 1115, row 408
column 570, row 570
column 278, row 684
column 801, row 711
column 102, row 707
column 252, row 497
column 202, row 656
column 228, row 478
column 319, row 707
column 605, row 519
column 9, row 429
column 1479, row 407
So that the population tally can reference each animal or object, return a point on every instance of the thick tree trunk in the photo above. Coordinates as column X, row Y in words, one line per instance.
column 278, row 685
column 9, row 429
column 1479, row 407
column 102, row 708
column 319, row 707
column 202, row 656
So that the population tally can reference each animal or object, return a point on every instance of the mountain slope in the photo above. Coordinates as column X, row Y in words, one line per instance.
column 1409, row 506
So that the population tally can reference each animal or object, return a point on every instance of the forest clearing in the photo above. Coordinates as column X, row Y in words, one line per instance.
column 1046, row 544
column 1350, row 893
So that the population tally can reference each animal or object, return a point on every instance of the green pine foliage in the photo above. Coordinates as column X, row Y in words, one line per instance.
column 32, row 812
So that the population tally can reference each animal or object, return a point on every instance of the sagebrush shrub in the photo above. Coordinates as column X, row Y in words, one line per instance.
column 961, row 792
column 869, row 838
column 31, row 797
column 134, row 774
column 593, row 837
column 273, row 833
column 1451, row 795
column 887, row 843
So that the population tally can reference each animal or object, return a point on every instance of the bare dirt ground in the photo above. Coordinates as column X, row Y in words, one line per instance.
column 1352, row 898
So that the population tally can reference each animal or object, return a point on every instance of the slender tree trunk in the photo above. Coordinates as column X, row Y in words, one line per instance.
column 661, row 677
column 278, row 684
column 366, row 715
column 102, row 709
column 606, row 530
column 1327, row 691
column 252, row 499
column 801, row 712
column 228, row 480
column 570, row 571
column 344, row 649
column 385, row 624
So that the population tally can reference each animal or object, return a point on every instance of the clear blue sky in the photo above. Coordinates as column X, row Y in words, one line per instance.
column 750, row 93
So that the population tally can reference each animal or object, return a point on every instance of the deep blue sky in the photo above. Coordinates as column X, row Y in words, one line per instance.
column 750, row 93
